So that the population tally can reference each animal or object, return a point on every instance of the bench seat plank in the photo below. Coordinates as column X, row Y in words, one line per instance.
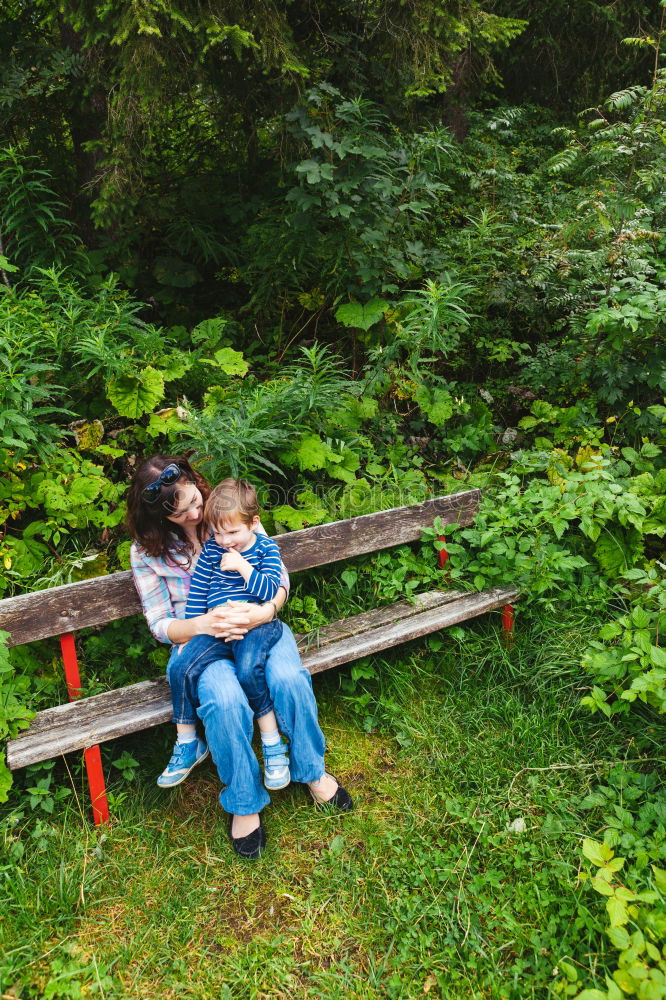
column 374, row 640
column 344, row 628
column 89, row 721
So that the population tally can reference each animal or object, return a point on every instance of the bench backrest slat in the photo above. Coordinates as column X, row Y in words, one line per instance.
column 328, row 543
column 104, row 599
column 45, row 613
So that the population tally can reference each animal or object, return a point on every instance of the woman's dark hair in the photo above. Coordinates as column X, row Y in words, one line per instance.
column 147, row 522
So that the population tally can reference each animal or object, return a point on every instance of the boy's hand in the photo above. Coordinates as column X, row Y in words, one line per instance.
column 233, row 561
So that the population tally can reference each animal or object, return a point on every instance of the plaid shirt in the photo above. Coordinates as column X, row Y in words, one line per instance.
column 163, row 586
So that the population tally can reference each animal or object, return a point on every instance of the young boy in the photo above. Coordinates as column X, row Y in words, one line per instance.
column 236, row 564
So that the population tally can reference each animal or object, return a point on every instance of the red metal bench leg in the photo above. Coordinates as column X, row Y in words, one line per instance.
column 100, row 805
column 507, row 623
column 442, row 554
column 93, row 758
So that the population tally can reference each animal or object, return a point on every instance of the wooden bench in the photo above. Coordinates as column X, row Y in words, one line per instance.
column 84, row 723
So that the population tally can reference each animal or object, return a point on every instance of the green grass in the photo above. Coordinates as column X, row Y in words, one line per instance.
column 422, row 891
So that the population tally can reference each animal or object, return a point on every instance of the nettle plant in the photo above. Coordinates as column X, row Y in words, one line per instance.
column 625, row 869
column 573, row 526
column 641, row 959
column 628, row 659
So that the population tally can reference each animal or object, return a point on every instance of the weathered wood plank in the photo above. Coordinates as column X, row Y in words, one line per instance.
column 345, row 628
column 353, row 648
column 328, row 543
column 117, row 713
column 45, row 613
column 105, row 599
column 108, row 724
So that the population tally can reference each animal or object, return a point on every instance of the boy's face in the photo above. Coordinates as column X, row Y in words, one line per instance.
column 233, row 533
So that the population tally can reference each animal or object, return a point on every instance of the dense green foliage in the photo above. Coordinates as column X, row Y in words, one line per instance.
column 362, row 254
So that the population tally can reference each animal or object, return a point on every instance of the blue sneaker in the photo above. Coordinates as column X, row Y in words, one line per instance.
column 276, row 767
column 184, row 758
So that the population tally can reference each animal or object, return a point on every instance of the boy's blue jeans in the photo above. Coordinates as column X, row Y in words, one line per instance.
column 229, row 723
column 188, row 662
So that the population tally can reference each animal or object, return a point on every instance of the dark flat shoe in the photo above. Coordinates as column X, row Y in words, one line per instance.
column 341, row 800
column 251, row 846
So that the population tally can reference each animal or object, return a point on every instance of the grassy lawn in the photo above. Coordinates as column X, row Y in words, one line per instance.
column 423, row 890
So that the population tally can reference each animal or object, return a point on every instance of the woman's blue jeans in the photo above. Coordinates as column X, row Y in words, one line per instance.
column 229, row 722
column 188, row 662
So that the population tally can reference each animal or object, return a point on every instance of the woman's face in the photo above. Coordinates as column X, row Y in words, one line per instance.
column 189, row 506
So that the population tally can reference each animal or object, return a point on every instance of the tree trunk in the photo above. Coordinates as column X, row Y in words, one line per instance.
column 86, row 118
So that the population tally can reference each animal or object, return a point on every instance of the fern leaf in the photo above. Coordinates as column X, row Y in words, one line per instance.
column 564, row 160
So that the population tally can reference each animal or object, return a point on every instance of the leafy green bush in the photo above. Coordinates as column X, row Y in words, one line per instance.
column 628, row 660
column 632, row 809
column 14, row 714
column 351, row 223
column 243, row 419
column 33, row 225
column 569, row 529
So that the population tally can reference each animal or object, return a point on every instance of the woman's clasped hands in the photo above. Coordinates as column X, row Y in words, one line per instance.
column 233, row 620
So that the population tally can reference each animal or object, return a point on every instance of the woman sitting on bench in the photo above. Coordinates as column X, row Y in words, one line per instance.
column 165, row 518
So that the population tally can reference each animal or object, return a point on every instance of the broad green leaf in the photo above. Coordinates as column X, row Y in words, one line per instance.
column 229, row 361
column 617, row 912
column 610, row 631
column 174, row 366
column 109, row 451
column 658, row 656
column 437, row 405
column 343, row 466
column 624, row 981
column 166, row 421
column 311, row 169
column 640, row 617
column 134, row 395
column 209, row 331
column 592, row 995
column 659, row 878
column 296, row 518
column 650, row 990
column 312, row 453
column 362, row 317
column 602, row 886
column 84, row 489
column 6, row 266
column 619, row 936
column 593, row 799
column 569, row 971
column 597, row 853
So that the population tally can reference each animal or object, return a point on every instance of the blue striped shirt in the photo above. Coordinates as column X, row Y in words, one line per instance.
column 211, row 586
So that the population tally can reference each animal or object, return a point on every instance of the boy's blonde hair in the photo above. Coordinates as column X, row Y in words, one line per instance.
column 231, row 498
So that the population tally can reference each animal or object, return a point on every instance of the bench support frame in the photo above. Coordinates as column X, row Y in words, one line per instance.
column 92, row 755
column 507, row 610
column 507, row 624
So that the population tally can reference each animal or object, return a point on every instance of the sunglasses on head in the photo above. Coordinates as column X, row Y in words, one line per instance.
column 167, row 477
